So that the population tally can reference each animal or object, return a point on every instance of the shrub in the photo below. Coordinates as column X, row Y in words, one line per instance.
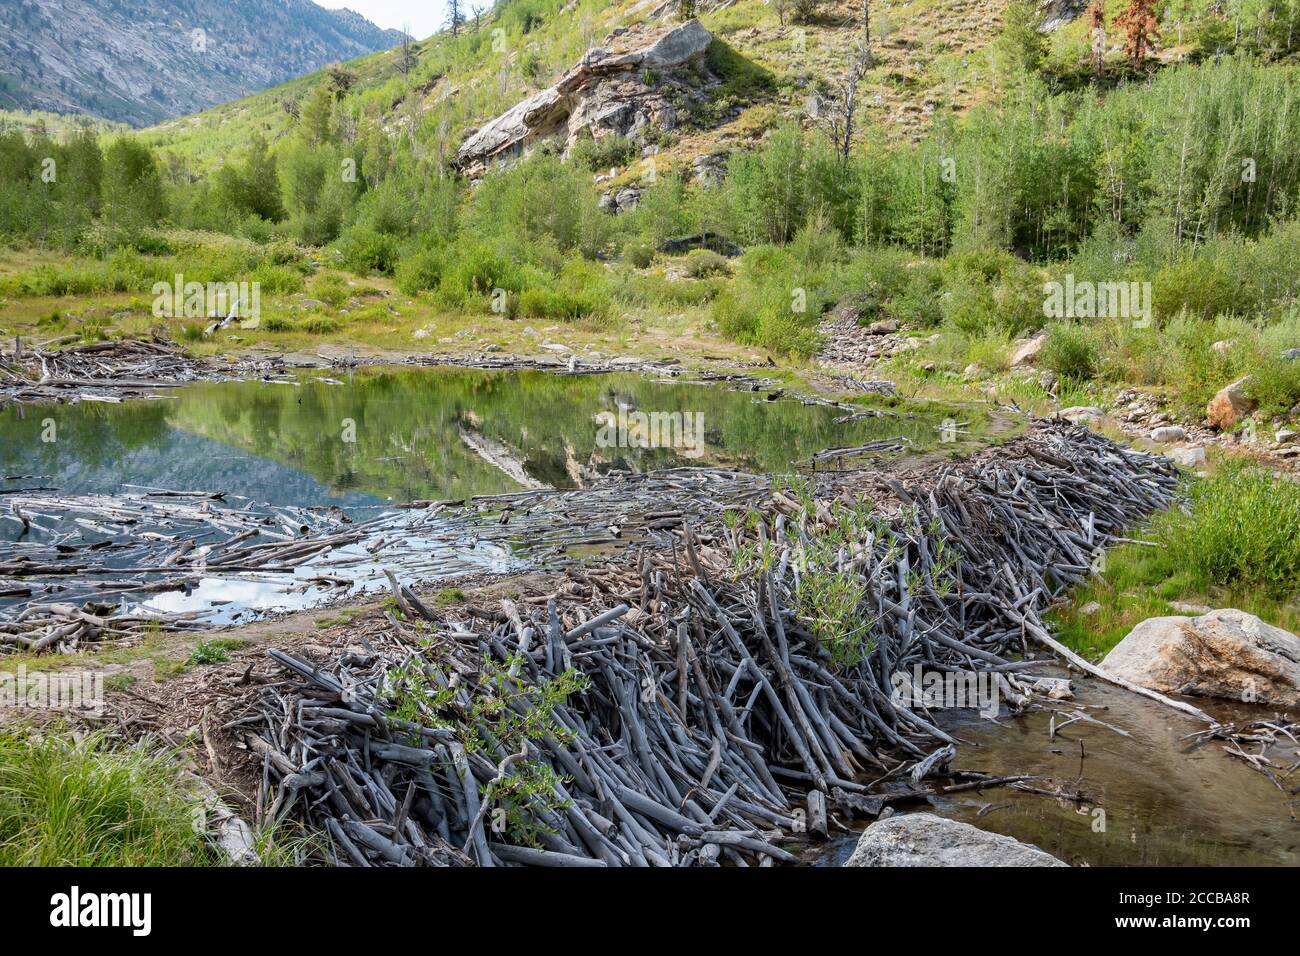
column 599, row 156
column 638, row 253
column 319, row 324
column 420, row 271
column 365, row 250
column 1072, row 351
column 1275, row 384
column 579, row 291
column 1243, row 530
column 276, row 280
column 475, row 269
column 701, row 263
column 1198, row 286
column 332, row 289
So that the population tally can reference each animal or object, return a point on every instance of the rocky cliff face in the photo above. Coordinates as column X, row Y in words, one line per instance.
column 625, row 89
column 141, row 61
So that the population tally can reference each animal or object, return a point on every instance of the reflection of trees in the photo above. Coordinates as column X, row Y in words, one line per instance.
column 90, row 434
column 409, row 423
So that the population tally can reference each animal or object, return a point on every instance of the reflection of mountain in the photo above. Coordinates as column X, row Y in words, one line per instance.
column 402, row 435
column 170, row 458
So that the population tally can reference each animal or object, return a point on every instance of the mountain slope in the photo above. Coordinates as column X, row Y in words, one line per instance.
column 142, row 61
column 929, row 64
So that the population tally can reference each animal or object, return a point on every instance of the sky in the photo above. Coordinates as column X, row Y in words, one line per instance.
column 421, row 17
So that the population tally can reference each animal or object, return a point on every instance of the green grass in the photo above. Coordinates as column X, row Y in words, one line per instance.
column 1237, row 547
column 89, row 802
column 216, row 651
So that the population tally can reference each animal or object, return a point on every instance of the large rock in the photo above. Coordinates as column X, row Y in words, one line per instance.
column 605, row 94
column 1192, row 456
column 1027, row 351
column 1082, row 414
column 923, row 839
column 1226, row 653
column 1229, row 406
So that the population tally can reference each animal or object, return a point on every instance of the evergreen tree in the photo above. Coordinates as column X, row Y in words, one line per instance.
column 1021, row 46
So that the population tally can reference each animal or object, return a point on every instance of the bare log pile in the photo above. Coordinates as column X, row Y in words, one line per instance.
column 102, row 371
column 698, row 705
column 81, row 561
column 75, row 549
column 71, row 627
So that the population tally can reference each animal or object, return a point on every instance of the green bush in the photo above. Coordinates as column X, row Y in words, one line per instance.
column 420, row 271
column 276, row 280
column 601, row 156
column 1072, row 351
column 1243, row 530
column 702, row 263
column 774, row 303
column 1275, row 384
column 638, row 253
column 332, row 289
column 365, row 250
column 579, row 290
column 1198, row 286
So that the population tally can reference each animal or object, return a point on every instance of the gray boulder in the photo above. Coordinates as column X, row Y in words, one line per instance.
column 924, row 839
column 1226, row 653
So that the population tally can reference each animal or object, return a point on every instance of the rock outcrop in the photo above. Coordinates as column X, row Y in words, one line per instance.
column 607, row 94
column 1225, row 653
column 923, row 839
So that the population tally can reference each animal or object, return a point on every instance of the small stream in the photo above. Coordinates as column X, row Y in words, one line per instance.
column 1153, row 799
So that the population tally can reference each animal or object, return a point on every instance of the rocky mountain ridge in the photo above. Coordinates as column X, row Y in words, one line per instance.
column 143, row 61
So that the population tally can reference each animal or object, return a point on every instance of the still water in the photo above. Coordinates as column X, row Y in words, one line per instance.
column 352, row 449
column 401, row 435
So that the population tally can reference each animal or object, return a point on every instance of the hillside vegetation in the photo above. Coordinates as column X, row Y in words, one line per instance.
column 986, row 159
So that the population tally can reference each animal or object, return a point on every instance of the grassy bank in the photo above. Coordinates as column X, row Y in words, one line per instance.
column 1235, row 544
column 90, row 800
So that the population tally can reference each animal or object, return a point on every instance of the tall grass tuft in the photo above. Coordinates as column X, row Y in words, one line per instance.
column 83, row 801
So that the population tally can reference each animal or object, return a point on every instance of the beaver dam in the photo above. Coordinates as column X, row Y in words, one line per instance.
column 697, row 703
column 708, row 672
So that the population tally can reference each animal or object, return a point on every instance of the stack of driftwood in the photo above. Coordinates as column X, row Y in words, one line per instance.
column 77, row 550
column 696, row 705
column 102, row 371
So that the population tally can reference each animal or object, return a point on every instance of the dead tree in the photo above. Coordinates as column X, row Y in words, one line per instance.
column 406, row 58
column 1141, row 28
column 836, row 110
column 866, row 28
column 1097, row 16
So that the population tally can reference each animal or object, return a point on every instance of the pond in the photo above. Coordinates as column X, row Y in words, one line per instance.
column 388, row 435
column 311, row 453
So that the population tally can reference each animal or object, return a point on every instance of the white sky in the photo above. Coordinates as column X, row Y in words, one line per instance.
column 422, row 18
